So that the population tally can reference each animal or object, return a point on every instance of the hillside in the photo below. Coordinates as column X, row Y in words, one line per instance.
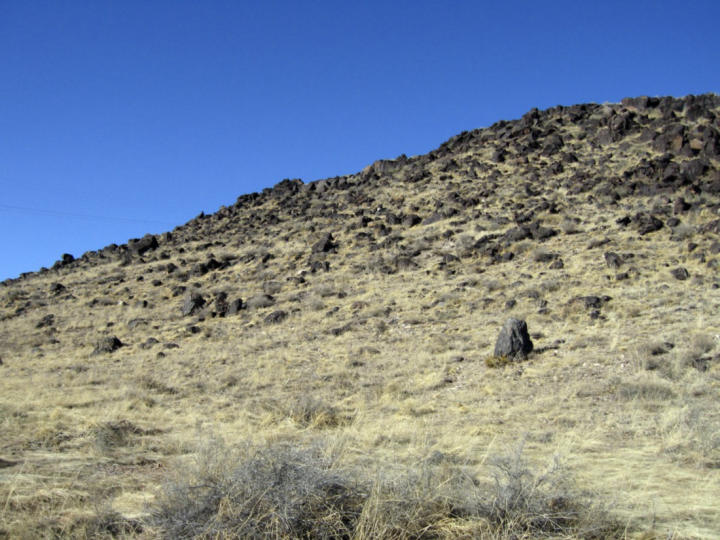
column 343, row 330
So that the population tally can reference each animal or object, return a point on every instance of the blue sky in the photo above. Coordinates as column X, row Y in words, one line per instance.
column 119, row 118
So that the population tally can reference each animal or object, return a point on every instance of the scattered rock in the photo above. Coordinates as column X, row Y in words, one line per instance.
column 680, row 273
column 411, row 220
column 141, row 245
column 592, row 302
column 681, row 206
column 192, row 304
column 65, row 259
column 647, row 223
column 221, row 304
column 107, row 344
column 276, row 317
column 513, row 340
column 47, row 320
column 235, row 306
column 325, row 244
column 260, row 301
column 613, row 260
column 134, row 323
column 149, row 343
column 57, row 288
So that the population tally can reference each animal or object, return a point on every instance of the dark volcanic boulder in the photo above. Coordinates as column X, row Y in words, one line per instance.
column 193, row 303
column 513, row 340
column 57, row 288
column 141, row 245
column 65, row 259
column 324, row 244
column 647, row 223
column 107, row 345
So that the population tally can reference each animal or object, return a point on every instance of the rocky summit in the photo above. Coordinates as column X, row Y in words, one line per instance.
column 325, row 350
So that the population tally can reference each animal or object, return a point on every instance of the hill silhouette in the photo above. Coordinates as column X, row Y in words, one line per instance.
column 346, row 326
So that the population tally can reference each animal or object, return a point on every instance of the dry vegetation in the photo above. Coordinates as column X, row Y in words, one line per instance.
column 373, row 408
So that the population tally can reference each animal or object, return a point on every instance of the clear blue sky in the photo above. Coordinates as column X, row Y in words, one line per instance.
column 119, row 118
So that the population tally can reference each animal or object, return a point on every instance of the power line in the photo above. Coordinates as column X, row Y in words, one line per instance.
column 61, row 214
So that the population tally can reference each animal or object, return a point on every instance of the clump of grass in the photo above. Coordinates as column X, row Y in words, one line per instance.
column 149, row 383
column 645, row 388
column 498, row 361
column 308, row 411
column 111, row 435
column 692, row 433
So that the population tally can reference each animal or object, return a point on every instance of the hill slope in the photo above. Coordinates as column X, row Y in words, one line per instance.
column 354, row 318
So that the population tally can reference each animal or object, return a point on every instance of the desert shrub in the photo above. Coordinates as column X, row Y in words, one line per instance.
column 284, row 491
column 278, row 491
column 524, row 501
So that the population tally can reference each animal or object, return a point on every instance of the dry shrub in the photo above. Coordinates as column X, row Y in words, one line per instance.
column 277, row 491
column 284, row 491
column 546, row 503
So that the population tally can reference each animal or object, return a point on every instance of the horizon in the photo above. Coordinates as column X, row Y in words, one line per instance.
column 125, row 119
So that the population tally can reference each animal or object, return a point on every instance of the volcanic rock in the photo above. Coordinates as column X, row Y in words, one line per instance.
column 513, row 340
column 260, row 301
column 141, row 245
column 107, row 344
column 192, row 304
column 680, row 273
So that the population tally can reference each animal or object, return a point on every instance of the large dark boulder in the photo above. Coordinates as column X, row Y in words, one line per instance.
column 514, row 340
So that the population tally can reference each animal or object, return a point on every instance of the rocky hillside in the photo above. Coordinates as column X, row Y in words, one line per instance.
column 359, row 313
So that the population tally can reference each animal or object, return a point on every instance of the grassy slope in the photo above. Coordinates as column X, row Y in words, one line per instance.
column 404, row 379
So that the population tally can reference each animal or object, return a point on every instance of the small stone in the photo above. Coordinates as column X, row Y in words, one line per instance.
column 680, row 273
column 276, row 317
